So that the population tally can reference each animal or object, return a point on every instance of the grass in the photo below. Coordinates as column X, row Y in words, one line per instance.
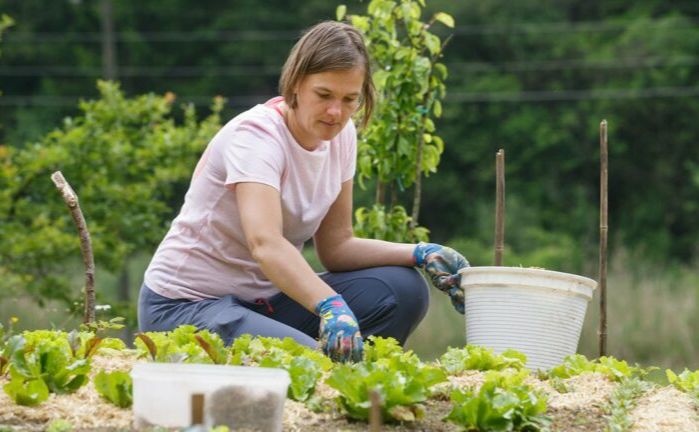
column 652, row 313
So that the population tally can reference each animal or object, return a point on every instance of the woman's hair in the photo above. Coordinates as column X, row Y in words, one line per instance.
column 328, row 46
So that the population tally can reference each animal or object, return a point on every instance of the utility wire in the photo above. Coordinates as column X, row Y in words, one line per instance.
column 139, row 71
column 254, row 70
column 572, row 95
column 134, row 36
column 452, row 97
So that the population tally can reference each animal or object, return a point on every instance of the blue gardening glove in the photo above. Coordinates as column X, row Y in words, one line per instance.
column 442, row 264
column 339, row 331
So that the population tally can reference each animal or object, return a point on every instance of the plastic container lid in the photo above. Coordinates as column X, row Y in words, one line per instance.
column 164, row 395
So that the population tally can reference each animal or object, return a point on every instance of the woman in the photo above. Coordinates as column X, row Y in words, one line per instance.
column 272, row 178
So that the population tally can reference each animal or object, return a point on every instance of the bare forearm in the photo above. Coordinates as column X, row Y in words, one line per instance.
column 286, row 268
column 356, row 253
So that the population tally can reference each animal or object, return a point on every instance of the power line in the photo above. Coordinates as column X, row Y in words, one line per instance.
column 135, row 36
column 72, row 101
column 573, row 95
column 139, row 71
column 453, row 97
column 255, row 70
column 569, row 27
column 568, row 64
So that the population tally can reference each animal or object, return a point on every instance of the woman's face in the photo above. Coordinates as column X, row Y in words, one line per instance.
column 325, row 102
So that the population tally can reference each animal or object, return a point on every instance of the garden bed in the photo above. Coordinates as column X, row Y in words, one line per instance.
column 582, row 406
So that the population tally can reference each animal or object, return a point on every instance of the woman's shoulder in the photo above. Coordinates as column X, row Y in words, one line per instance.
column 257, row 123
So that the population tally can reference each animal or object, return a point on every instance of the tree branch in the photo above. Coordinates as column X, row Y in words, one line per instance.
column 71, row 200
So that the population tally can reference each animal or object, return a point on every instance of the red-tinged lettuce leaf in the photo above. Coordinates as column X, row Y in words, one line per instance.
column 150, row 345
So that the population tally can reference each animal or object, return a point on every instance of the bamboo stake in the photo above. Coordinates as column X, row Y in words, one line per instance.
column 499, row 206
column 375, row 411
column 71, row 200
column 603, row 234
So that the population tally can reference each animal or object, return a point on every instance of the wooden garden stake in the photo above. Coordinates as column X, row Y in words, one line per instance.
column 375, row 411
column 603, row 233
column 499, row 206
column 71, row 200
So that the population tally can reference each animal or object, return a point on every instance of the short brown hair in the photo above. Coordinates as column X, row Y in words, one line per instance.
column 327, row 46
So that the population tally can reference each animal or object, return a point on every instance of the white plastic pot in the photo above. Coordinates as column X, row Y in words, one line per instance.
column 538, row 312
column 242, row 398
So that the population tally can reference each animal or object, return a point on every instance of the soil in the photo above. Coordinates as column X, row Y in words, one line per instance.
column 579, row 406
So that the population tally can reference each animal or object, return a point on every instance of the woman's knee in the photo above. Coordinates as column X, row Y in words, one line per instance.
column 411, row 292
column 391, row 302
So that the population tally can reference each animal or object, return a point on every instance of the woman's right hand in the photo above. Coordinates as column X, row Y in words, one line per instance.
column 339, row 332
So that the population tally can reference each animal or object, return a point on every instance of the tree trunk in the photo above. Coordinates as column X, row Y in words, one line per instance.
column 124, row 299
column 109, row 62
column 417, row 194
column 380, row 193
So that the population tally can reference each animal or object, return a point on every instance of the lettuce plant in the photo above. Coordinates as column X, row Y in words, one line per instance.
column 116, row 387
column 44, row 361
column 687, row 381
column 400, row 378
column 615, row 370
column 473, row 357
column 305, row 365
column 185, row 344
column 503, row 403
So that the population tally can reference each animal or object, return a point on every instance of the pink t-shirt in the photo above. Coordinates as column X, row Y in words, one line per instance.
column 205, row 254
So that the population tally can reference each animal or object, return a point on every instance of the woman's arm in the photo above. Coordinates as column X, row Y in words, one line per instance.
column 261, row 217
column 339, row 250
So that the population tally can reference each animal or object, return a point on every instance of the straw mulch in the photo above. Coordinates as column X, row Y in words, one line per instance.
column 580, row 407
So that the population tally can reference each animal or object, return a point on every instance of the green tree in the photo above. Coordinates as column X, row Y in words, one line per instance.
column 127, row 159
column 536, row 78
column 400, row 145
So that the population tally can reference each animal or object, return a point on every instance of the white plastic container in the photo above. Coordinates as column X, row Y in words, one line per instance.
column 235, row 396
column 538, row 312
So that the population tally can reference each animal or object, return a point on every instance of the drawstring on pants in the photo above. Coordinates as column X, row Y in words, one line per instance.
column 264, row 301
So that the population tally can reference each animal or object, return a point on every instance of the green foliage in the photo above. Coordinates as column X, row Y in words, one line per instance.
column 98, row 327
column 185, row 344
column 5, row 23
column 621, row 403
column 60, row 425
column 473, row 357
column 615, row 370
column 116, row 387
column 44, row 361
column 400, row 145
column 126, row 158
column 305, row 366
column 4, row 336
column 390, row 226
column 188, row 345
column 687, row 381
column 400, row 378
column 503, row 403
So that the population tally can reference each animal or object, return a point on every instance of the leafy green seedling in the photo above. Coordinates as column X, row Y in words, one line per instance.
column 185, row 344
column 116, row 387
column 305, row 365
column 44, row 361
column 615, row 370
column 400, row 378
column 687, row 381
column 473, row 357
column 503, row 403
column 60, row 425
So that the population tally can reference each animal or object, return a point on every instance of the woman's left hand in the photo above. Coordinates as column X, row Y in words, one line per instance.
column 442, row 264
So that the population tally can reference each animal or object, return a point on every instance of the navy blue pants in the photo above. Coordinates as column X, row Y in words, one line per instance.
column 387, row 301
